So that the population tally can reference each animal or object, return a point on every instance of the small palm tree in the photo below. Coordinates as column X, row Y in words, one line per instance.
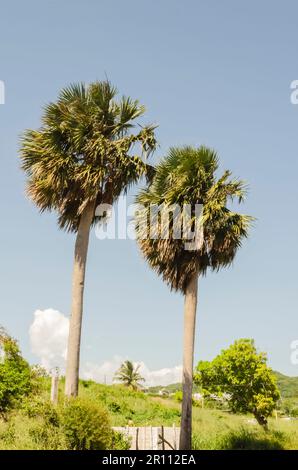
column 83, row 156
column 187, row 176
column 129, row 375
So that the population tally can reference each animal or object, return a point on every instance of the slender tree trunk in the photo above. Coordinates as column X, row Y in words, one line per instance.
column 78, row 282
column 190, row 307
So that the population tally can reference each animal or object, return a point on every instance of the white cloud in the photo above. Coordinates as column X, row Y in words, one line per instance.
column 48, row 338
column 103, row 373
column 163, row 376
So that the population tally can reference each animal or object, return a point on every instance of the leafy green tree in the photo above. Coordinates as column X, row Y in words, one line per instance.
column 188, row 176
column 84, row 154
column 241, row 372
column 15, row 374
column 129, row 375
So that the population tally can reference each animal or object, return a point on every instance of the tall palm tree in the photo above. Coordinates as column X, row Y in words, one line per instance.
column 129, row 375
column 83, row 156
column 188, row 176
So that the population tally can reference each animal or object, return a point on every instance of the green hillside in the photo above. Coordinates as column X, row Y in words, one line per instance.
column 288, row 386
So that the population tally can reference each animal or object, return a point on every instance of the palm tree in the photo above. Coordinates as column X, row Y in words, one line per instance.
column 129, row 375
column 188, row 176
column 82, row 156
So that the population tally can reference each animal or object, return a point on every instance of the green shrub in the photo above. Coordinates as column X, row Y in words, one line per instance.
column 119, row 441
column 15, row 374
column 114, row 407
column 45, row 436
column 178, row 396
column 9, row 434
column 85, row 425
column 42, row 409
column 44, row 425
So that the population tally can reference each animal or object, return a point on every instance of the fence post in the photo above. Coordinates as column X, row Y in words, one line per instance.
column 54, row 387
column 174, row 437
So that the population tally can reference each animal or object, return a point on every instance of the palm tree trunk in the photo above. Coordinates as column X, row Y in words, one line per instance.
column 190, row 307
column 78, row 282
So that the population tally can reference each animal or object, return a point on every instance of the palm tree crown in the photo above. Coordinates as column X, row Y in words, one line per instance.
column 188, row 176
column 84, row 151
column 129, row 375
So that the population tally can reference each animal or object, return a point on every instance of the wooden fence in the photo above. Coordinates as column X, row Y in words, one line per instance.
column 151, row 438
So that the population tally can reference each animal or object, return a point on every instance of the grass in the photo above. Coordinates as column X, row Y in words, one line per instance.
column 212, row 429
column 128, row 407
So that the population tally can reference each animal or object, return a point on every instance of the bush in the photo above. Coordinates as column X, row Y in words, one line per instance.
column 85, row 425
column 119, row 441
column 45, row 424
column 178, row 396
column 15, row 374
column 45, row 436
column 44, row 410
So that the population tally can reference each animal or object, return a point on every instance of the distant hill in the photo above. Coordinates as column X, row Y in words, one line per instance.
column 288, row 386
column 172, row 388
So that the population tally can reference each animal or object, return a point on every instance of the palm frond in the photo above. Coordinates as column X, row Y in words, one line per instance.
column 188, row 176
column 84, row 151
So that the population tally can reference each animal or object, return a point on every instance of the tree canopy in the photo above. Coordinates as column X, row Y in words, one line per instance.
column 129, row 375
column 187, row 175
column 85, row 151
column 241, row 372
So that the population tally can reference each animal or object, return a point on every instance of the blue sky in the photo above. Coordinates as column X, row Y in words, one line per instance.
column 214, row 73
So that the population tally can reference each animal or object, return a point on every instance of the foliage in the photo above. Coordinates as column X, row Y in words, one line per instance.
column 129, row 375
column 36, row 425
column 289, row 407
column 119, row 441
column 178, row 396
column 132, row 407
column 188, row 176
column 288, row 386
column 85, row 425
column 85, row 151
column 16, row 377
column 242, row 373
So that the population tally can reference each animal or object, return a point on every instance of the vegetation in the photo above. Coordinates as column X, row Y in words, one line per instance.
column 32, row 422
column 81, row 157
column 16, row 376
column 85, row 425
column 288, row 386
column 129, row 375
column 188, row 176
column 37, row 424
column 242, row 373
